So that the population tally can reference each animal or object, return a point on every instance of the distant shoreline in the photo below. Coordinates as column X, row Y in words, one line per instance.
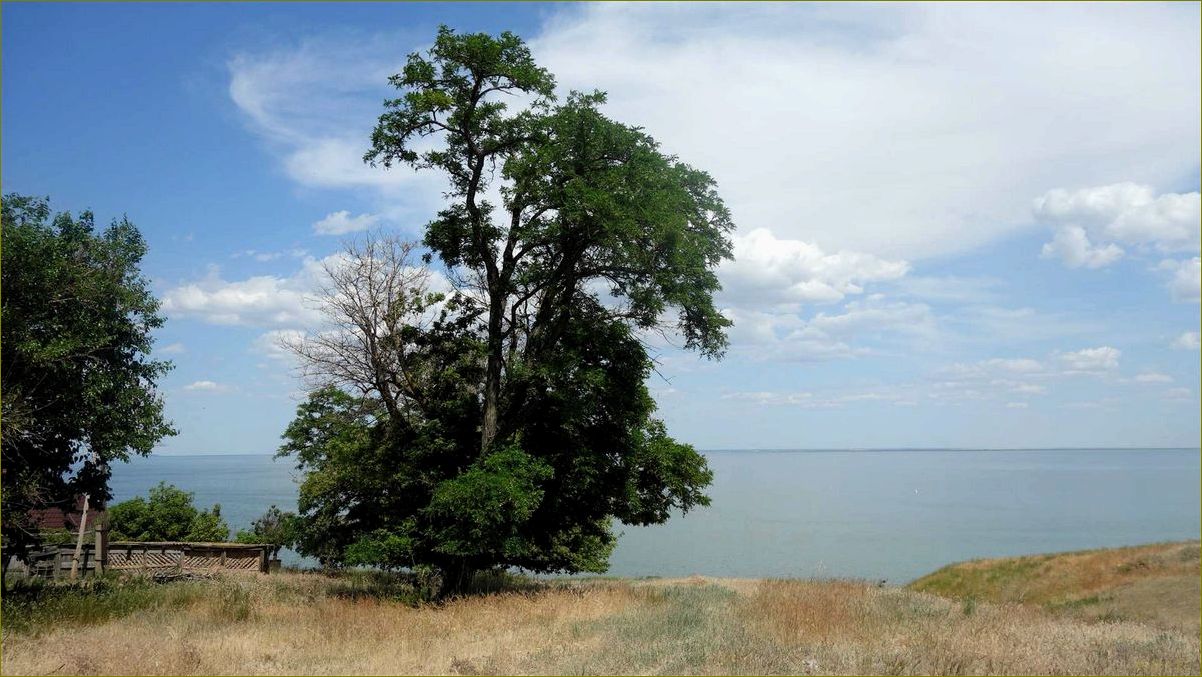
column 773, row 450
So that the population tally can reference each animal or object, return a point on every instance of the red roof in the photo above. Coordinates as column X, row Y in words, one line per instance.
column 57, row 518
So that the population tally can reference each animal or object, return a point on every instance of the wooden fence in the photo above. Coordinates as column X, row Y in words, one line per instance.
column 56, row 561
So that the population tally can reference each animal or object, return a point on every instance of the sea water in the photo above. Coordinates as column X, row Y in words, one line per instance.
column 891, row 515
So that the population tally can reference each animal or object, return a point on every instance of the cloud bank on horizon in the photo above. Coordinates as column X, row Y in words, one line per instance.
column 969, row 225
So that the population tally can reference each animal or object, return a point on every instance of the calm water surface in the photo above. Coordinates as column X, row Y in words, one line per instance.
column 891, row 515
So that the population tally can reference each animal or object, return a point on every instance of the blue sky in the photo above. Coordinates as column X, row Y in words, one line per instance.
column 957, row 225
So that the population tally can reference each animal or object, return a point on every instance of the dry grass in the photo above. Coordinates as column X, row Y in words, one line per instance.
column 896, row 631
column 1157, row 584
column 309, row 624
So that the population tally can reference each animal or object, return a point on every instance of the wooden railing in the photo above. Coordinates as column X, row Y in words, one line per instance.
column 154, row 557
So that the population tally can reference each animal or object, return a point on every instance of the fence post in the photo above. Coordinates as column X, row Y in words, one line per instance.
column 83, row 523
column 102, row 547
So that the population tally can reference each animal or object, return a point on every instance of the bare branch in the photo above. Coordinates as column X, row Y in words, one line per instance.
column 371, row 295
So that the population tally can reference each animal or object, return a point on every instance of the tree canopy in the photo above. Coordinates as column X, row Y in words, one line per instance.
column 166, row 514
column 505, row 421
column 78, row 383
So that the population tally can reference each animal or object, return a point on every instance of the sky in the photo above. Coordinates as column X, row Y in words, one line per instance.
column 957, row 225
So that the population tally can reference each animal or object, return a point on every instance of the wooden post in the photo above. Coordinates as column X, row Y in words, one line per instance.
column 263, row 561
column 83, row 523
column 102, row 547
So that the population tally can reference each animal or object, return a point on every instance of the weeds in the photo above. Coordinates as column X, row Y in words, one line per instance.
column 34, row 606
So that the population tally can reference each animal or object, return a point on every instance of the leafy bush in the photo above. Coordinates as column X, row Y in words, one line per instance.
column 166, row 515
column 274, row 527
column 57, row 537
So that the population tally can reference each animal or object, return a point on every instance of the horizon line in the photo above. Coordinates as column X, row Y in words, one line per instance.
column 795, row 450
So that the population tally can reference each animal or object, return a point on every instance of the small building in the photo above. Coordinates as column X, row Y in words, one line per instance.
column 56, row 517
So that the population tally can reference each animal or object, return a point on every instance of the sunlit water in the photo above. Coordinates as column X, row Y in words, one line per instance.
column 891, row 515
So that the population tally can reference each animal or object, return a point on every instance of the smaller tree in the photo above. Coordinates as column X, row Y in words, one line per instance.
column 275, row 527
column 79, row 385
column 167, row 514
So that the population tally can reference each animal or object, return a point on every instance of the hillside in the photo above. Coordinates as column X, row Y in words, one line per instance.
column 315, row 624
column 1156, row 584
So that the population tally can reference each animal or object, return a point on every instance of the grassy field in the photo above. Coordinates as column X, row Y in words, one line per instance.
column 1019, row 616
column 1154, row 584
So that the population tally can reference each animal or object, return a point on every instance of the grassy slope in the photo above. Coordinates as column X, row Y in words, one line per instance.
column 1156, row 584
column 296, row 623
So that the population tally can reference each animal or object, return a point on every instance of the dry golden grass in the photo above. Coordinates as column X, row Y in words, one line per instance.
column 289, row 626
column 1157, row 584
column 305, row 624
column 896, row 631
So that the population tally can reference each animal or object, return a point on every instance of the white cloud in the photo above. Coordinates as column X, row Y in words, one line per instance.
column 315, row 102
column 787, row 336
column 950, row 288
column 1072, row 246
column 1018, row 365
column 1091, row 223
column 341, row 223
column 1185, row 281
column 1016, row 405
column 271, row 344
column 206, row 387
column 1091, row 359
column 767, row 271
column 991, row 325
column 807, row 400
column 1178, row 394
column 263, row 257
column 874, row 315
column 779, row 336
column 818, row 107
column 1125, row 213
column 771, row 398
column 999, row 369
column 260, row 301
column 820, row 103
column 1153, row 377
column 1189, row 340
column 176, row 348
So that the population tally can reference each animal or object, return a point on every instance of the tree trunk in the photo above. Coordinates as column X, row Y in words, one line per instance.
column 492, row 377
column 456, row 578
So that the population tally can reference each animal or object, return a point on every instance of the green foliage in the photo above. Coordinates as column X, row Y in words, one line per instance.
column 167, row 514
column 275, row 527
column 79, row 387
column 57, row 537
column 33, row 606
column 526, row 427
column 208, row 527
column 383, row 548
column 480, row 513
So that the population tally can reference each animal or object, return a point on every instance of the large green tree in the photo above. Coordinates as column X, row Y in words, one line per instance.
column 515, row 427
column 78, row 385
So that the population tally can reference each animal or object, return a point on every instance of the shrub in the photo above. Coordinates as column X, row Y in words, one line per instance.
column 167, row 514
